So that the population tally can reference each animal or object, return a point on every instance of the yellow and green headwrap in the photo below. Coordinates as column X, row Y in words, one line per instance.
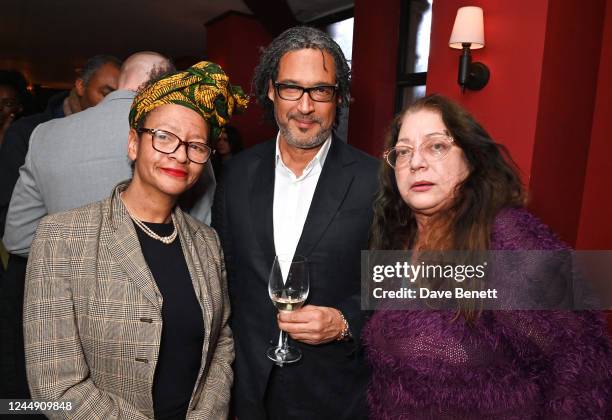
column 203, row 87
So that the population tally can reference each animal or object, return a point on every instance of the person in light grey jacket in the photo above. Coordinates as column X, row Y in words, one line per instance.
column 76, row 160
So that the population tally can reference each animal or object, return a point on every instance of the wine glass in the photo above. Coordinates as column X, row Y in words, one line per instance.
column 288, row 286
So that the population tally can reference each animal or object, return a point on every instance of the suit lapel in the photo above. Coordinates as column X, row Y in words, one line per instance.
column 331, row 189
column 125, row 248
column 262, row 198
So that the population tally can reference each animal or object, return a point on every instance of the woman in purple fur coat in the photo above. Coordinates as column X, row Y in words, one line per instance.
column 448, row 186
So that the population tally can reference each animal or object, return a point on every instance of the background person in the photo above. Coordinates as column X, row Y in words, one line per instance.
column 15, row 99
column 10, row 106
column 448, row 186
column 228, row 144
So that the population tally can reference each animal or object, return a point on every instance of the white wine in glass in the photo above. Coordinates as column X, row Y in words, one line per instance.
column 288, row 286
column 287, row 304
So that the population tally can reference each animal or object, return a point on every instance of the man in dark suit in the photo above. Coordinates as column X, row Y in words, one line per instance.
column 303, row 193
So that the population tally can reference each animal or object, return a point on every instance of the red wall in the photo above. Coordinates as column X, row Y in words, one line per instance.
column 234, row 42
column 544, row 57
column 549, row 101
column 595, row 229
column 565, row 112
column 514, row 49
column 374, row 66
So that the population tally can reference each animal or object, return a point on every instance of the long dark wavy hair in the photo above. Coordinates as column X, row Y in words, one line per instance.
column 492, row 184
column 465, row 225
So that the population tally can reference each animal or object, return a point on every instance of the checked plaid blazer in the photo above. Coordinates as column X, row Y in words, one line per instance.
column 92, row 315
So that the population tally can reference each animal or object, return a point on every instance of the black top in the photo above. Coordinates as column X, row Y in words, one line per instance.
column 180, row 351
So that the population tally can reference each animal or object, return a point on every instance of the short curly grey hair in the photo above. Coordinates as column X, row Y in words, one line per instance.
column 298, row 38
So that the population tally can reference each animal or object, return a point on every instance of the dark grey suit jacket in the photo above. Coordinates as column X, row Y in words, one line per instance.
column 331, row 378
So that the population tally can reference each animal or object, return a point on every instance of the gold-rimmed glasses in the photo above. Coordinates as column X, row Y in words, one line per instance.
column 435, row 146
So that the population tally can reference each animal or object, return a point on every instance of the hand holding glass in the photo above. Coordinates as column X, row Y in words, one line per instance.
column 288, row 286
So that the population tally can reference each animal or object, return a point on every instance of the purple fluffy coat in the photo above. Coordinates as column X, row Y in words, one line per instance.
column 507, row 365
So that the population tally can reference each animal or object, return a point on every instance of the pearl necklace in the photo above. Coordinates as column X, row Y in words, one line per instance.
column 164, row 239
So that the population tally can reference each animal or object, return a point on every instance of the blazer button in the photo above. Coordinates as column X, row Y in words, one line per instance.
column 149, row 320
column 141, row 360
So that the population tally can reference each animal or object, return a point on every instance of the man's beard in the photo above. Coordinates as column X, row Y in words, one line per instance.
column 309, row 143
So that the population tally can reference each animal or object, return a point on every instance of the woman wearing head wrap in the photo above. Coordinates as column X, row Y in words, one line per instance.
column 126, row 303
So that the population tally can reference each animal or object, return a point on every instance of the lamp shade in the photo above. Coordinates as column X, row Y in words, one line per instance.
column 468, row 28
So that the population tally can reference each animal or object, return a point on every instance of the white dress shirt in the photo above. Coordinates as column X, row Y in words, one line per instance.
column 292, row 198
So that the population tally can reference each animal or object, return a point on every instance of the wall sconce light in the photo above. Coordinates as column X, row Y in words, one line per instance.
column 468, row 33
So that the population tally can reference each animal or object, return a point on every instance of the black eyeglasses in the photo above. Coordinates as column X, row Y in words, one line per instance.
column 167, row 142
column 321, row 93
